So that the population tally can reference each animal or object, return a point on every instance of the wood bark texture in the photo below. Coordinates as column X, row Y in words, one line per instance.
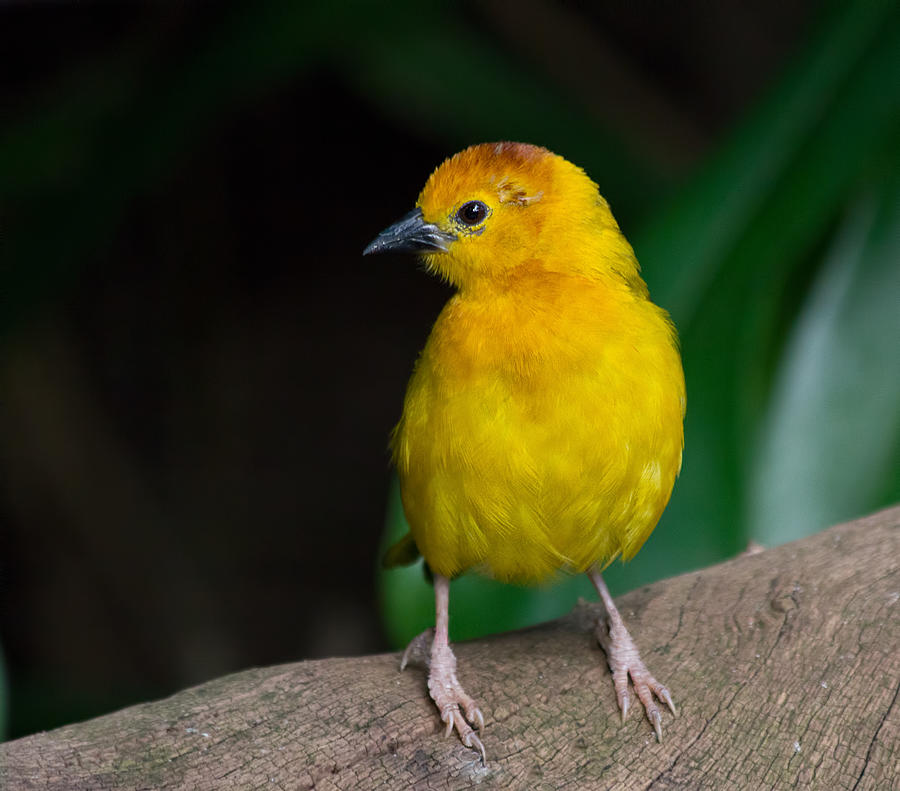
column 785, row 665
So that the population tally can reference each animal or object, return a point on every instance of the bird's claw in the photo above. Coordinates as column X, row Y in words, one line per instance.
column 645, row 687
column 624, row 662
column 625, row 704
column 656, row 719
column 480, row 717
column 453, row 717
column 473, row 742
column 664, row 695
column 457, row 709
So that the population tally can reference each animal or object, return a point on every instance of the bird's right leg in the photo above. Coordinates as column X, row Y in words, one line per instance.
column 456, row 708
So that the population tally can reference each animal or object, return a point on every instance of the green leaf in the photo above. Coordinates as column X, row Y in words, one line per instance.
column 730, row 322
column 685, row 246
column 832, row 427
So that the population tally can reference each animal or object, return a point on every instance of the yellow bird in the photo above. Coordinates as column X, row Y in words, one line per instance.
column 542, row 428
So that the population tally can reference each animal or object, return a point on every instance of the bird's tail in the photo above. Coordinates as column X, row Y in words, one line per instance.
column 402, row 553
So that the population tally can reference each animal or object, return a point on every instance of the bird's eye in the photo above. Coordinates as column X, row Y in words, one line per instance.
column 472, row 213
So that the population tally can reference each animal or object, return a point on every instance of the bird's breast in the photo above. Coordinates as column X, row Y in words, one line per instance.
column 533, row 439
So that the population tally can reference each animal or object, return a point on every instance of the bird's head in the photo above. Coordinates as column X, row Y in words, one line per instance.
column 495, row 207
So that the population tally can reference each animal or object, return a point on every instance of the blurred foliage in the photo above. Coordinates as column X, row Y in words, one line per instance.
column 97, row 136
column 778, row 260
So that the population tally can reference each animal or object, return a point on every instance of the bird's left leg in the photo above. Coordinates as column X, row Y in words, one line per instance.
column 624, row 661
column 443, row 685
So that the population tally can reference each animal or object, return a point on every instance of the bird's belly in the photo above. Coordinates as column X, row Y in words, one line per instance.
column 523, row 483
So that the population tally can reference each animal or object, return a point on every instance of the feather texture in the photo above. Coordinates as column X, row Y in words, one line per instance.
column 542, row 426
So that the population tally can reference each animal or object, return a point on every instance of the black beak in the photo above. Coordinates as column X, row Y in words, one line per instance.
column 412, row 235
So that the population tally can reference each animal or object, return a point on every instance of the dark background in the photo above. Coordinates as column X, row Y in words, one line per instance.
column 199, row 371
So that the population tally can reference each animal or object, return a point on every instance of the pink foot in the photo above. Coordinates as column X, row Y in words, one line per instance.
column 624, row 661
column 456, row 708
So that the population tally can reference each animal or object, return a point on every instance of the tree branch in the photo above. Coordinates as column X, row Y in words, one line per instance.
column 785, row 665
